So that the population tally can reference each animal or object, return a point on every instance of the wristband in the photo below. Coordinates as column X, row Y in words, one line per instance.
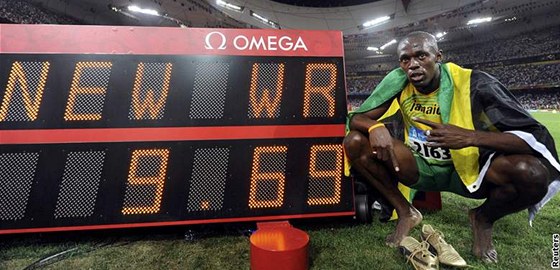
column 375, row 126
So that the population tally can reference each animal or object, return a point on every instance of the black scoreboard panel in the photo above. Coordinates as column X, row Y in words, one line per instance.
column 68, row 91
column 114, row 183
column 92, row 141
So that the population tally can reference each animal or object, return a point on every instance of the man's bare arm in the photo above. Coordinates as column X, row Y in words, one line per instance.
column 380, row 139
column 362, row 121
column 453, row 137
column 502, row 142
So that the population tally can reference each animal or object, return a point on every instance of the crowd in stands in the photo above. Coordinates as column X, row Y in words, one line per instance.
column 199, row 13
column 523, row 62
column 17, row 11
column 528, row 75
column 362, row 85
column 521, row 46
column 534, row 100
column 539, row 100
column 525, row 76
column 543, row 44
column 519, row 78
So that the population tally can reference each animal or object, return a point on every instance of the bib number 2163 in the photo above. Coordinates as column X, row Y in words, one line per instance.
column 418, row 143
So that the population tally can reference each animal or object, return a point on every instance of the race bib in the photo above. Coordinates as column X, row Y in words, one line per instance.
column 417, row 142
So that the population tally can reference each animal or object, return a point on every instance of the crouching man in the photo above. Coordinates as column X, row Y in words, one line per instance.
column 463, row 133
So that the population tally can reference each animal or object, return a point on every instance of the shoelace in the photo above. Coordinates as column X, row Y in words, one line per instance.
column 436, row 233
column 448, row 256
column 422, row 248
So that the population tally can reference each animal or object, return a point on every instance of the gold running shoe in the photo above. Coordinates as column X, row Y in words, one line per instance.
column 446, row 253
column 418, row 254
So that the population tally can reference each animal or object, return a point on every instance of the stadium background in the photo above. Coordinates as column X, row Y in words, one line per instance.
column 520, row 46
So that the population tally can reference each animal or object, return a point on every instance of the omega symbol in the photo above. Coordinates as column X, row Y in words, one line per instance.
column 209, row 46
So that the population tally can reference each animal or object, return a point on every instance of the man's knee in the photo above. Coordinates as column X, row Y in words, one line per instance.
column 354, row 143
column 531, row 175
column 535, row 174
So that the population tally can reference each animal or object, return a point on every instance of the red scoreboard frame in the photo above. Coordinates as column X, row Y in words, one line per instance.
column 115, row 127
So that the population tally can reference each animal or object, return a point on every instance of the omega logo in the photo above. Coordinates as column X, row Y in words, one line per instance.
column 209, row 45
column 217, row 40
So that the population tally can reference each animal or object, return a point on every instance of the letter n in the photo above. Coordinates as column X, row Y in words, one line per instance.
column 25, row 85
column 150, row 91
column 265, row 94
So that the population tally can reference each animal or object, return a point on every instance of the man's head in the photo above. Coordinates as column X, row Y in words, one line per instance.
column 419, row 57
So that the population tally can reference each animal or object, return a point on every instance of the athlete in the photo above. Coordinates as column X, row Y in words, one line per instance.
column 463, row 133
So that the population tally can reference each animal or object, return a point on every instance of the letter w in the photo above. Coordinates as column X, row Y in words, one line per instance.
column 23, row 77
column 265, row 94
column 149, row 95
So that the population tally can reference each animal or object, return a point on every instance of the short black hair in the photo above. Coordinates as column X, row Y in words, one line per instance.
column 430, row 39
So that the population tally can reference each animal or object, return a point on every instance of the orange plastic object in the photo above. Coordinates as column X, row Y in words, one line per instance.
column 278, row 245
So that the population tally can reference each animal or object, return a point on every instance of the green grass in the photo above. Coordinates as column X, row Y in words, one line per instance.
column 335, row 243
column 552, row 122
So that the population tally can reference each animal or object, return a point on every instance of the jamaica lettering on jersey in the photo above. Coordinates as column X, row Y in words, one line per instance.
column 426, row 109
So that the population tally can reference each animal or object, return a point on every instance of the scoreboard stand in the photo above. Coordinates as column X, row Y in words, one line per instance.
column 363, row 201
column 365, row 196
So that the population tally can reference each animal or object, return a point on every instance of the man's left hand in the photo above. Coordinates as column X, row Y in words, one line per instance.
column 446, row 135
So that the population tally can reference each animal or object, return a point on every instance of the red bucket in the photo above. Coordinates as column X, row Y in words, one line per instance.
column 279, row 246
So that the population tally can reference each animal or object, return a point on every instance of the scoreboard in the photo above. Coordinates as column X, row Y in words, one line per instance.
column 116, row 127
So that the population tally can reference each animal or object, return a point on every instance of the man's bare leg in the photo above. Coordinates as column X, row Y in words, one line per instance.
column 482, row 239
column 377, row 173
column 514, row 183
column 405, row 223
column 409, row 216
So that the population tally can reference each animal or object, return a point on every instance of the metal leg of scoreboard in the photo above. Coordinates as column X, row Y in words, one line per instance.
column 363, row 201
column 365, row 196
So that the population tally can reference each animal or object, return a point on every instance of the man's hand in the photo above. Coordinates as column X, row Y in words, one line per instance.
column 447, row 136
column 382, row 145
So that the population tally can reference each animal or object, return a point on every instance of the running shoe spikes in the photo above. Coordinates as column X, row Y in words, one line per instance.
column 418, row 254
column 445, row 252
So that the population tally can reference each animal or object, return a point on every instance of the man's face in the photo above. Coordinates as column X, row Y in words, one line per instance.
column 418, row 57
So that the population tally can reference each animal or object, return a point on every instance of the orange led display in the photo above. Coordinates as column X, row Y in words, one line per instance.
column 274, row 197
column 151, row 105
column 316, row 84
column 327, row 170
column 157, row 180
column 98, row 71
column 268, row 103
column 31, row 102
column 204, row 205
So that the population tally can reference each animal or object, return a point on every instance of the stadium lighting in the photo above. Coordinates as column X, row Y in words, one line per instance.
column 440, row 34
column 124, row 10
column 511, row 19
column 479, row 20
column 263, row 19
column 372, row 49
column 229, row 5
column 376, row 22
column 388, row 44
column 143, row 10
